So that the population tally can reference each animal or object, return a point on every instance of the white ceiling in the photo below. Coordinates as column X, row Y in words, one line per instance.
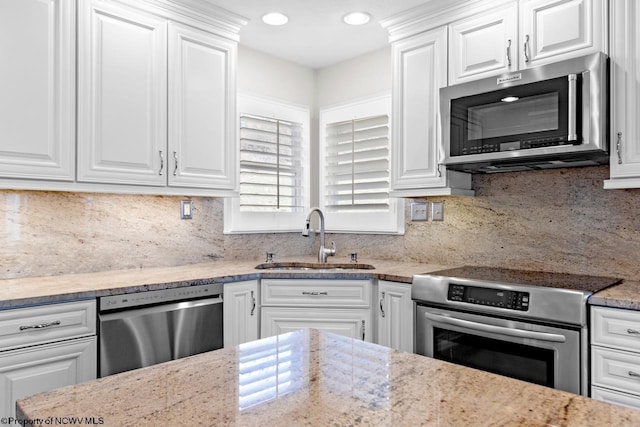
column 315, row 36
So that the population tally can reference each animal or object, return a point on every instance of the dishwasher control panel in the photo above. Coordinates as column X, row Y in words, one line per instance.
column 513, row 300
column 137, row 299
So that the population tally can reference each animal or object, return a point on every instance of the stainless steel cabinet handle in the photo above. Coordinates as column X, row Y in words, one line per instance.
column 482, row 327
column 314, row 293
column 40, row 326
column 634, row 374
column 161, row 163
column 618, row 148
column 633, row 332
column 175, row 168
column 509, row 53
column 362, row 328
column 381, row 308
column 526, row 48
column 253, row 302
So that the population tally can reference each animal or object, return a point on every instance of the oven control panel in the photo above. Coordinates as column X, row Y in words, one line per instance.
column 512, row 300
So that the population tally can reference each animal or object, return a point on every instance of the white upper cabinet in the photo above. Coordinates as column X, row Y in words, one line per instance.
column 484, row 44
column 553, row 30
column 122, row 95
column 37, row 89
column 201, row 109
column 156, row 101
column 515, row 35
column 625, row 95
column 419, row 71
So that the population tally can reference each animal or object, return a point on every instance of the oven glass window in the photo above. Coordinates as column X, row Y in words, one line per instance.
column 523, row 362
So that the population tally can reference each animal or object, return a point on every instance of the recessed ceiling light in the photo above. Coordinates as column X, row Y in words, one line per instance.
column 275, row 18
column 509, row 99
column 357, row 18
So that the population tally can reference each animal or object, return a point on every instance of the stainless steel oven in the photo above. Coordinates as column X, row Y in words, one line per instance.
column 145, row 328
column 525, row 325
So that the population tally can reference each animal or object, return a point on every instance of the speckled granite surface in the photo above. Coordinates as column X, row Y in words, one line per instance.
column 317, row 379
column 47, row 289
column 625, row 295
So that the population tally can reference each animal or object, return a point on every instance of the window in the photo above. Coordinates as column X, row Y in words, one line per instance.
column 274, row 168
column 354, row 181
column 270, row 165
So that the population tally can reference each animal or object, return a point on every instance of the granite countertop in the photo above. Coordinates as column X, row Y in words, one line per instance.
column 625, row 295
column 47, row 289
column 315, row 378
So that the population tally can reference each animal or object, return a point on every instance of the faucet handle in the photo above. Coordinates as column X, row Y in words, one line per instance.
column 332, row 251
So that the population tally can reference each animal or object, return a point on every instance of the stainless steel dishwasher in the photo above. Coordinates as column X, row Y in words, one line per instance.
column 145, row 328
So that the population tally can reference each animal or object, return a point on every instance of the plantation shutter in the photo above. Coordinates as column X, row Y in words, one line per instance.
column 357, row 165
column 271, row 165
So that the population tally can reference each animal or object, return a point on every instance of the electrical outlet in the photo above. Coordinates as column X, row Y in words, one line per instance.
column 186, row 209
column 437, row 211
column 418, row 211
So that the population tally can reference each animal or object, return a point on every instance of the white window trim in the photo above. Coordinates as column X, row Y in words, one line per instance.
column 351, row 222
column 238, row 222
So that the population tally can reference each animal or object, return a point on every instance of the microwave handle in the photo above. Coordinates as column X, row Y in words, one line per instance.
column 483, row 327
column 573, row 110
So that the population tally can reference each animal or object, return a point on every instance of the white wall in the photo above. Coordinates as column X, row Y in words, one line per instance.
column 360, row 77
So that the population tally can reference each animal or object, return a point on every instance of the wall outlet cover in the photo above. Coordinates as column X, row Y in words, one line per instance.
column 186, row 209
column 437, row 211
column 418, row 212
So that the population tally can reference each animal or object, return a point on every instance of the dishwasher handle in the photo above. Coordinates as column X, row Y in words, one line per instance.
column 483, row 327
column 163, row 307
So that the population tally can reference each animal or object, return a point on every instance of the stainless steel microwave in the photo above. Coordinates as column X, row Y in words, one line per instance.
column 546, row 117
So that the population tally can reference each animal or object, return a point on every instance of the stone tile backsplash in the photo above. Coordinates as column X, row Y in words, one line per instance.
column 558, row 220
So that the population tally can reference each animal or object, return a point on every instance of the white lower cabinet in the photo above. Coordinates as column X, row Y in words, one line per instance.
column 395, row 315
column 615, row 356
column 45, row 347
column 241, row 313
column 33, row 370
column 339, row 306
column 347, row 322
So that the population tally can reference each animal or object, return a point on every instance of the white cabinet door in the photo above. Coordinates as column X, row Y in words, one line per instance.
column 553, row 30
column 352, row 323
column 395, row 315
column 484, row 45
column 625, row 95
column 37, row 89
column 33, row 370
column 122, row 101
column 240, row 312
column 202, row 146
column 419, row 71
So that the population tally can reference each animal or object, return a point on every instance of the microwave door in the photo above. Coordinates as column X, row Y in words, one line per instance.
column 516, row 118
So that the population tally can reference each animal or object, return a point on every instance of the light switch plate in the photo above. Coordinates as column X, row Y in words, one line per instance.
column 437, row 211
column 186, row 209
column 418, row 211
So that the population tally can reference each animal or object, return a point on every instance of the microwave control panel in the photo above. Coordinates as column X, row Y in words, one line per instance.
column 479, row 147
column 512, row 300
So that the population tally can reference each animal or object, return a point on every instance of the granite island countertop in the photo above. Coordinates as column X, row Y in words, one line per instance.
column 314, row 378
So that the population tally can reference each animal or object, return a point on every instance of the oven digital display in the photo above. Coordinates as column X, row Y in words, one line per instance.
column 513, row 300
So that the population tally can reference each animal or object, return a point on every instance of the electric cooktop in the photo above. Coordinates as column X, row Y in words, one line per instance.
column 590, row 284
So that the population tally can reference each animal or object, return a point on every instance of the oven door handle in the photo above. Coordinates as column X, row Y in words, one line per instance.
column 482, row 327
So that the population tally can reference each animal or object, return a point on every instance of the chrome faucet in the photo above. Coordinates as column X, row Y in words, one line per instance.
column 322, row 252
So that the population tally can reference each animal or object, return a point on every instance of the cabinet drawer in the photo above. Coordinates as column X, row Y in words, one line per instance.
column 615, row 397
column 316, row 293
column 615, row 369
column 37, row 325
column 615, row 328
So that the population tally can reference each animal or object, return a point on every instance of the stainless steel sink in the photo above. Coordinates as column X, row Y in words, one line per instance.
column 312, row 266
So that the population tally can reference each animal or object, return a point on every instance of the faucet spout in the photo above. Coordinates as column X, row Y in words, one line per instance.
column 322, row 252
